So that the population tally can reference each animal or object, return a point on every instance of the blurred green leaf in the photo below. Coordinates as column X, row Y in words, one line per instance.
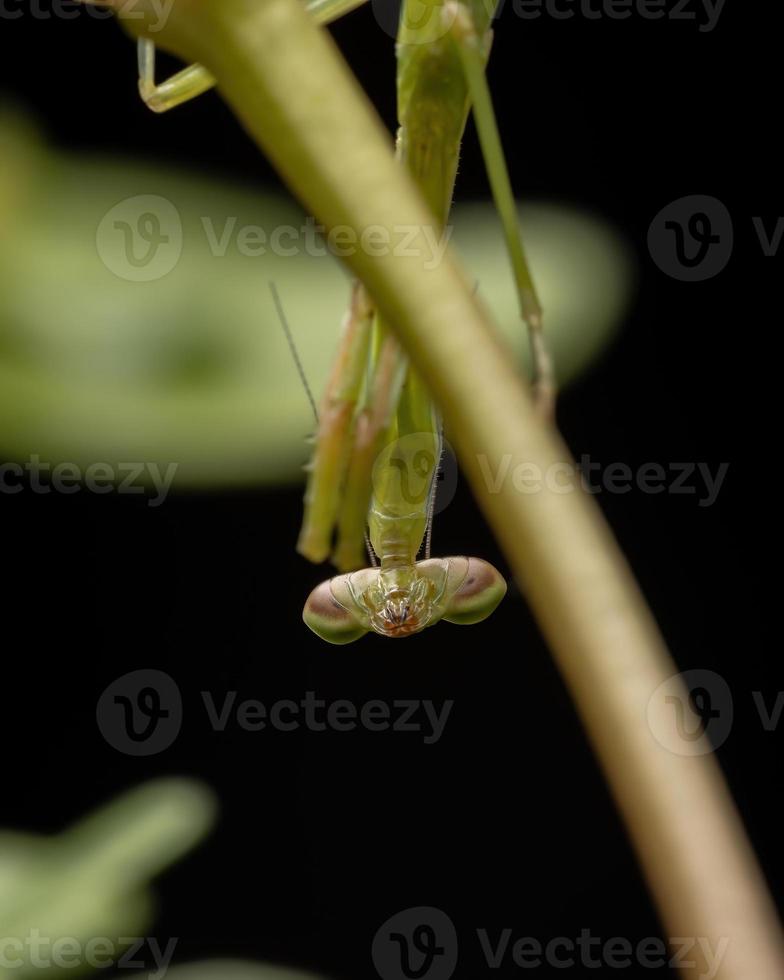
column 193, row 368
column 91, row 882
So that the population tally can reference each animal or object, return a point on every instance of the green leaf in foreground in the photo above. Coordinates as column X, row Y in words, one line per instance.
column 193, row 368
column 92, row 881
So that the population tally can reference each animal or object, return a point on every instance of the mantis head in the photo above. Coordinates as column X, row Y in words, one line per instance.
column 401, row 601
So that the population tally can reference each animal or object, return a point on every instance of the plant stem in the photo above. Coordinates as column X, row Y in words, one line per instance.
column 287, row 83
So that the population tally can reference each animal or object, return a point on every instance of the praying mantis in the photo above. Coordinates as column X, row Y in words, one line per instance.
column 379, row 431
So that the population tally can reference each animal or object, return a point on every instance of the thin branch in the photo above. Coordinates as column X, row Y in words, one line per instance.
column 287, row 83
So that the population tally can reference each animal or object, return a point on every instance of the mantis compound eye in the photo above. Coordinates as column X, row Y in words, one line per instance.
column 478, row 595
column 329, row 618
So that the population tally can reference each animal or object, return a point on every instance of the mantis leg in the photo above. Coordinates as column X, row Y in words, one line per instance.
column 473, row 49
column 195, row 79
column 373, row 425
column 182, row 87
column 333, row 440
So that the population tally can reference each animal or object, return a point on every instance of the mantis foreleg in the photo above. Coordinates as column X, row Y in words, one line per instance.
column 335, row 426
column 472, row 50
column 195, row 79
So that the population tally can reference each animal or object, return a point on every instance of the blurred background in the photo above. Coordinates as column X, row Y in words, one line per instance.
column 320, row 837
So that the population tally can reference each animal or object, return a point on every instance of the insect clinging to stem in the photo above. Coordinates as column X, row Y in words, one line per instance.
column 379, row 432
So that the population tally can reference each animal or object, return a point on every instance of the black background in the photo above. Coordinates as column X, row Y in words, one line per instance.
column 506, row 821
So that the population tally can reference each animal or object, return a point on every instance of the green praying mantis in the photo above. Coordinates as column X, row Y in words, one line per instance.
column 373, row 476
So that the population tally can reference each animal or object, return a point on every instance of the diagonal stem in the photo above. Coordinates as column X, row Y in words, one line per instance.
column 285, row 80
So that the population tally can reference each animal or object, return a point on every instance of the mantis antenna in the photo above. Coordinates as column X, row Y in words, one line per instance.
column 293, row 348
column 309, row 391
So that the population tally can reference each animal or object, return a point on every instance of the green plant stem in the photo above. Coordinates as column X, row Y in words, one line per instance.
column 287, row 83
